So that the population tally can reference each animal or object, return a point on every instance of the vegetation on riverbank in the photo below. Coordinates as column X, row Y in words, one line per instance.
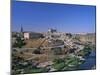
column 86, row 50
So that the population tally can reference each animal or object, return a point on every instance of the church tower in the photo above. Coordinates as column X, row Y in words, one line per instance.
column 21, row 29
column 21, row 32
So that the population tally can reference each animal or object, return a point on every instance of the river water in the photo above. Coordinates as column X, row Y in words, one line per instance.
column 90, row 62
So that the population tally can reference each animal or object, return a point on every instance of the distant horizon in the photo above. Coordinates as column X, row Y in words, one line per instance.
column 38, row 17
column 59, row 32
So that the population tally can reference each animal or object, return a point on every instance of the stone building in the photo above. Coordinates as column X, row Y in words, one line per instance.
column 52, row 34
column 32, row 35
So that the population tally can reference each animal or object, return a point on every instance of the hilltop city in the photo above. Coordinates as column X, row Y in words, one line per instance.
column 51, row 51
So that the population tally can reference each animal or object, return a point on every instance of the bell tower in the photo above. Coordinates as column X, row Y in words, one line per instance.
column 21, row 29
column 21, row 32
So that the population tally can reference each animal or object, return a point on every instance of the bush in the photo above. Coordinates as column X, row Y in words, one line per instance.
column 86, row 51
column 58, row 60
column 59, row 66
column 19, row 42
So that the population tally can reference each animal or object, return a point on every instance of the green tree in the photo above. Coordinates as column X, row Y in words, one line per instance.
column 19, row 42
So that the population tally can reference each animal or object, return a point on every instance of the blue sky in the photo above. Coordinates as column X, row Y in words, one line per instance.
column 38, row 17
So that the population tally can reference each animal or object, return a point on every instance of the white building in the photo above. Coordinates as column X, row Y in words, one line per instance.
column 26, row 35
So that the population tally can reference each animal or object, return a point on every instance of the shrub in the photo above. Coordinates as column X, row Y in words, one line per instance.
column 58, row 60
column 19, row 42
column 59, row 66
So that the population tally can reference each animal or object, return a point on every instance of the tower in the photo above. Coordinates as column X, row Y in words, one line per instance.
column 21, row 32
column 21, row 29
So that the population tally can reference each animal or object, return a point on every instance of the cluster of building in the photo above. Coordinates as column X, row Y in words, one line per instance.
column 52, row 35
column 28, row 34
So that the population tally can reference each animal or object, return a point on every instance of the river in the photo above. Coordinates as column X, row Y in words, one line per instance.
column 90, row 62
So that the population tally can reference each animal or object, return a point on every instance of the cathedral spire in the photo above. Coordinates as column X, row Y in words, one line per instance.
column 21, row 32
column 21, row 29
